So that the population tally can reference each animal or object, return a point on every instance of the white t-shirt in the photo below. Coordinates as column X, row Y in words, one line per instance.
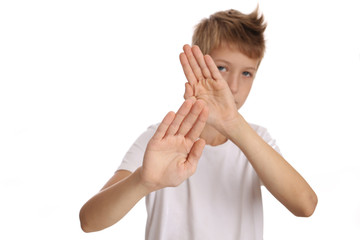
column 222, row 200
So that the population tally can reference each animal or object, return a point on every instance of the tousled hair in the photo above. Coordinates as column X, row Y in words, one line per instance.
column 244, row 31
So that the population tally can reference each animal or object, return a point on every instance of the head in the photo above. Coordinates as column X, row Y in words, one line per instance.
column 243, row 31
column 236, row 43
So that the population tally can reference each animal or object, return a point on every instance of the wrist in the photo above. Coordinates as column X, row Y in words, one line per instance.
column 145, row 186
column 231, row 126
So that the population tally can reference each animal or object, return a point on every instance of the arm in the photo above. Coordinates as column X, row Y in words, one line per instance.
column 112, row 202
column 284, row 182
column 170, row 158
column 278, row 176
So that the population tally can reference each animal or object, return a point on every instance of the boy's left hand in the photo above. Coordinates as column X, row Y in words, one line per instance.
column 206, row 83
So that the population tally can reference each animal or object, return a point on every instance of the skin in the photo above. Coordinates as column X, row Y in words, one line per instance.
column 217, row 87
column 235, row 73
column 170, row 158
column 225, row 91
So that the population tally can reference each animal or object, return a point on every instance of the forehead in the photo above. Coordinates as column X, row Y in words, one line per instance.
column 232, row 55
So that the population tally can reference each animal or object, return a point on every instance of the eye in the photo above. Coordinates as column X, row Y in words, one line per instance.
column 222, row 69
column 247, row 74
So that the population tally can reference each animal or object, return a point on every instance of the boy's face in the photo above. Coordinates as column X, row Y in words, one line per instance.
column 237, row 69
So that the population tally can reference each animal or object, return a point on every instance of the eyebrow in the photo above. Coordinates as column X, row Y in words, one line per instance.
column 251, row 68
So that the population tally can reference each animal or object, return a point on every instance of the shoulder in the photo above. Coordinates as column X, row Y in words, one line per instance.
column 134, row 156
column 151, row 130
column 145, row 137
column 153, row 127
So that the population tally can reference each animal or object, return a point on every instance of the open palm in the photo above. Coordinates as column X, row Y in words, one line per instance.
column 173, row 152
column 205, row 82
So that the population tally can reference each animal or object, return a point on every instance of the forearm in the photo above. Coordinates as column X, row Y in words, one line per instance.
column 278, row 176
column 111, row 204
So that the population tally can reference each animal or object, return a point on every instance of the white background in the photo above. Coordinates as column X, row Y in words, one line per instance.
column 80, row 80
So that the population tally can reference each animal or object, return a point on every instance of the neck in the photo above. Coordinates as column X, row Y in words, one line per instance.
column 212, row 136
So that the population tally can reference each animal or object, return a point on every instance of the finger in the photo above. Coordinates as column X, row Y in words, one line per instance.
column 201, row 61
column 198, row 126
column 193, row 63
column 216, row 75
column 194, row 155
column 189, row 92
column 164, row 125
column 190, row 76
column 180, row 115
column 191, row 119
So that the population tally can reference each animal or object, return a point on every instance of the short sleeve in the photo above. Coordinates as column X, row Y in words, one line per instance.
column 134, row 157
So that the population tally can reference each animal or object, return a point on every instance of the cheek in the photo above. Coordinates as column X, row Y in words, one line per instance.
column 242, row 94
column 247, row 86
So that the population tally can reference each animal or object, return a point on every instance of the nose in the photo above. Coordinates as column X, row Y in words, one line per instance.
column 233, row 82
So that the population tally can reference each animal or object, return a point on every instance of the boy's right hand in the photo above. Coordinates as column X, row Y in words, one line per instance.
column 173, row 152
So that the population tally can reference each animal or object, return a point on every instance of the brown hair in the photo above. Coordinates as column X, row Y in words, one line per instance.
column 245, row 31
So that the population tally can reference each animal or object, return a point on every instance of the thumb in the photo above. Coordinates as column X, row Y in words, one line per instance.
column 195, row 154
column 188, row 91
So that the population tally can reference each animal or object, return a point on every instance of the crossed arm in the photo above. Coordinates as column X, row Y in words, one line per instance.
column 279, row 177
column 173, row 152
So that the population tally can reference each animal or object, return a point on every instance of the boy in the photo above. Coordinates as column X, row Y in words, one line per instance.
column 222, row 198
